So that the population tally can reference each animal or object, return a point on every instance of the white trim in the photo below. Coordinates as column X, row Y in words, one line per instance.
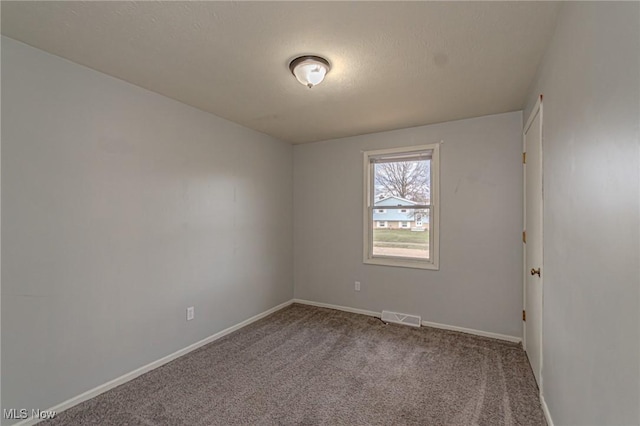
column 92, row 393
column 524, row 248
column 434, row 220
column 401, row 262
column 338, row 307
column 537, row 109
column 475, row 332
column 545, row 410
column 532, row 115
column 424, row 323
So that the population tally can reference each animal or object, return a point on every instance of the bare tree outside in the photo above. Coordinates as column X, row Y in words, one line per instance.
column 410, row 180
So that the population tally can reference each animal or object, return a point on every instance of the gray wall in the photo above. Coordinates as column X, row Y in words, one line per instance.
column 590, row 79
column 479, row 284
column 120, row 209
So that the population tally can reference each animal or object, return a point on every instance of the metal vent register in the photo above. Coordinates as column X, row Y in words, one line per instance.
column 400, row 318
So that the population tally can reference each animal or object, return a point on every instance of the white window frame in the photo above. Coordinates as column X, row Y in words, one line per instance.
column 434, row 221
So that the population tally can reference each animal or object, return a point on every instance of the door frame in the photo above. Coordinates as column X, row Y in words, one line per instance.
column 537, row 109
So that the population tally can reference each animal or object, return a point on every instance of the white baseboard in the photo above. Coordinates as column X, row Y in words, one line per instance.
column 338, row 307
column 424, row 323
column 473, row 331
column 92, row 393
column 545, row 410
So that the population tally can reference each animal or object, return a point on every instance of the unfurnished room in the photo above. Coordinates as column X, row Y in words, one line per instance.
column 320, row 213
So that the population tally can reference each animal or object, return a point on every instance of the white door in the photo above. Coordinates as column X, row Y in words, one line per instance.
column 533, row 239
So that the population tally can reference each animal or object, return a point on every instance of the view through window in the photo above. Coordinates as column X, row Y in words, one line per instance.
column 400, row 205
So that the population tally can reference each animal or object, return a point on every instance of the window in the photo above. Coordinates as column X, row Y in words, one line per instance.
column 405, row 181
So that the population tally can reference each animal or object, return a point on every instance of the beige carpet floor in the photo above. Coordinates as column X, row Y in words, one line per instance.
column 316, row 366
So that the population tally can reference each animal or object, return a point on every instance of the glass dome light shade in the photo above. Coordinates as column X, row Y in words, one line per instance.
column 309, row 70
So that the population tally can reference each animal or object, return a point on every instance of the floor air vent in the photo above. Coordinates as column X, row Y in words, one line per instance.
column 398, row 318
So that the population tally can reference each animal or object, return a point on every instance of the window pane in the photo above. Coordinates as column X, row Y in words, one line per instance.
column 401, row 207
column 402, row 183
column 405, row 235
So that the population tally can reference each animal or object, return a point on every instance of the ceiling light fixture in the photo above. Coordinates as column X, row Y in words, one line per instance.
column 309, row 70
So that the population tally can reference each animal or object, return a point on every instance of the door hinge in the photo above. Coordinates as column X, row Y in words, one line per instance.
column 524, row 158
column 524, row 237
column 524, row 315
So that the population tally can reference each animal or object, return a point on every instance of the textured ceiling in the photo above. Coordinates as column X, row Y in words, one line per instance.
column 395, row 64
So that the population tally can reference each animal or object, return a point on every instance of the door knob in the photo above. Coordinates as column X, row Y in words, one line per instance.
column 535, row 271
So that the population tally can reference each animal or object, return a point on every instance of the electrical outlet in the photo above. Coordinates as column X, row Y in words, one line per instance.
column 191, row 313
column 357, row 286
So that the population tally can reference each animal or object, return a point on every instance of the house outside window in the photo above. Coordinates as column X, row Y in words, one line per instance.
column 401, row 207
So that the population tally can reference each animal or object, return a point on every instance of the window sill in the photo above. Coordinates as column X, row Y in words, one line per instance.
column 402, row 263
